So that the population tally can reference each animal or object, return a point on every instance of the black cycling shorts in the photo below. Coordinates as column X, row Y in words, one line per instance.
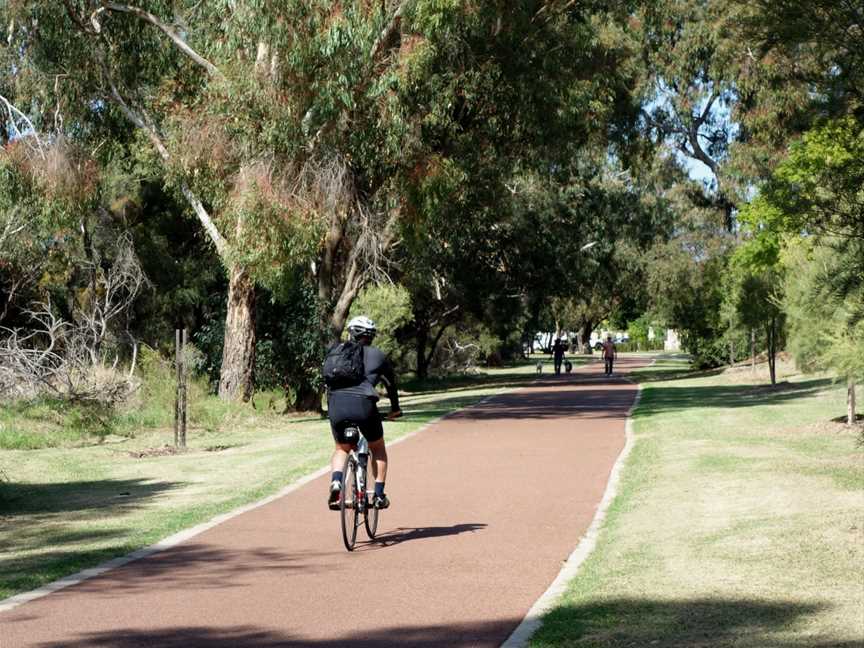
column 371, row 429
column 346, row 408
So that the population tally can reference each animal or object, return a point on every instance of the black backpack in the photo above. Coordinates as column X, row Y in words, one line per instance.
column 343, row 365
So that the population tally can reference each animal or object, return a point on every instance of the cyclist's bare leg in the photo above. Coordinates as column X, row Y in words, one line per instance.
column 379, row 463
column 337, row 461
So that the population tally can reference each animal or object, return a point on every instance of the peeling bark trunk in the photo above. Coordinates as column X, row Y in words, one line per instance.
column 850, row 402
column 353, row 283
column 238, row 351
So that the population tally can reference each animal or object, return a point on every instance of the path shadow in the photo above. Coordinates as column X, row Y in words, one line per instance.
column 405, row 534
column 457, row 635
column 562, row 403
column 198, row 567
column 195, row 567
column 617, row 623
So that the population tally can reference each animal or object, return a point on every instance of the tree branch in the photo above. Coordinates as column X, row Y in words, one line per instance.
column 168, row 31
column 387, row 34
column 707, row 110
column 14, row 116
column 140, row 120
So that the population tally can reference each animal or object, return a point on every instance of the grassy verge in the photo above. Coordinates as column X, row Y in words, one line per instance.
column 738, row 521
column 66, row 508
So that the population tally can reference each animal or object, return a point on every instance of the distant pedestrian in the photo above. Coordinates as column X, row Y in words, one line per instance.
column 558, row 354
column 610, row 353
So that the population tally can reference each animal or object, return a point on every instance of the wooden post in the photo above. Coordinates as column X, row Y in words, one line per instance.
column 183, row 392
column 177, row 356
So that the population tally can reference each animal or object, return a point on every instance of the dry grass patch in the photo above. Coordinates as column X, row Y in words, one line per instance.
column 738, row 523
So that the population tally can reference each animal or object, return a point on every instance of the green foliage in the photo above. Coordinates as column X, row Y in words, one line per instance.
column 47, row 423
column 826, row 330
column 289, row 341
column 754, row 284
column 817, row 188
column 637, row 330
column 687, row 294
column 813, row 207
column 389, row 306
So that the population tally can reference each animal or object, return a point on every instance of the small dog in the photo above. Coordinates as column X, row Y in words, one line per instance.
column 539, row 367
column 568, row 366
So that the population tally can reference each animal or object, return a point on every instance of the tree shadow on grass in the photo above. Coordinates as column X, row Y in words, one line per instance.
column 669, row 398
column 617, row 623
column 41, row 546
column 104, row 496
column 746, row 623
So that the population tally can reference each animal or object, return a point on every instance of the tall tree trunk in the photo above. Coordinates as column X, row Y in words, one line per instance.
column 772, row 351
column 752, row 349
column 850, row 402
column 422, row 364
column 585, row 336
column 238, row 351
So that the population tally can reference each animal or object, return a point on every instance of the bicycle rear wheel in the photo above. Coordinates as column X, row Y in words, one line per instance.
column 348, row 506
column 371, row 519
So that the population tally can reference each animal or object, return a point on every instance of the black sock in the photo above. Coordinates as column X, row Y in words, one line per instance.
column 337, row 476
column 379, row 489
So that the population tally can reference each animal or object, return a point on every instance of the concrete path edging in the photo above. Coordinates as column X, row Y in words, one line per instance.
column 534, row 618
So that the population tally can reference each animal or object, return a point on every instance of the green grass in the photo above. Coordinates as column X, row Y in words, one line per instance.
column 87, row 499
column 737, row 521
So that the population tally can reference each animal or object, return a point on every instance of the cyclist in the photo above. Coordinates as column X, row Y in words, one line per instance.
column 357, row 404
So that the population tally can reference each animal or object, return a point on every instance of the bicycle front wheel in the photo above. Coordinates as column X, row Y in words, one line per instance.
column 348, row 503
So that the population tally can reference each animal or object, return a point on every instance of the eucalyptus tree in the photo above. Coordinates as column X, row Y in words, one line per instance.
column 691, row 67
column 293, row 130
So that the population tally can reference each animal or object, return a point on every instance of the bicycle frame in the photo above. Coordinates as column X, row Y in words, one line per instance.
column 354, row 500
column 360, row 455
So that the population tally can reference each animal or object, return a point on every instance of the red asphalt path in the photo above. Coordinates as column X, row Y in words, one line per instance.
column 487, row 504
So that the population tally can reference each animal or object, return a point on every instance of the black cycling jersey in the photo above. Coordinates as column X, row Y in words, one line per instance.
column 358, row 402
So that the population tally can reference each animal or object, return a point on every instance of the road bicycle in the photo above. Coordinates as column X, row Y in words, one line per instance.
column 355, row 502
